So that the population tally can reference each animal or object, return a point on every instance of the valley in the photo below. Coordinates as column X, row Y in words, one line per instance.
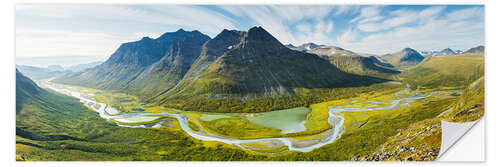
column 268, row 132
column 243, row 95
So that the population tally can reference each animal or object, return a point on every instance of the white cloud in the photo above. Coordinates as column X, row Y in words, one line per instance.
column 348, row 36
column 49, row 42
column 304, row 28
column 432, row 33
column 92, row 40
column 466, row 14
column 296, row 13
column 367, row 13
column 344, row 9
column 398, row 18
column 173, row 15
column 375, row 29
column 308, row 20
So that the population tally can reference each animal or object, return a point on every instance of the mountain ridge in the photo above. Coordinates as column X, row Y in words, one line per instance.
column 477, row 49
column 352, row 62
column 256, row 46
column 123, row 70
column 231, row 66
column 405, row 58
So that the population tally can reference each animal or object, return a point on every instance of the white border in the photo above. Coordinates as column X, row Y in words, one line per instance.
column 8, row 84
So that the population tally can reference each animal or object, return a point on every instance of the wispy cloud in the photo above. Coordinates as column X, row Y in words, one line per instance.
column 428, row 31
column 52, row 30
column 310, row 23
column 398, row 18
column 47, row 42
column 99, row 37
column 367, row 12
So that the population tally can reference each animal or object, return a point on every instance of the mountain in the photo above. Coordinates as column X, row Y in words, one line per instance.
column 37, row 73
column 188, row 69
column 144, row 67
column 446, row 51
column 290, row 46
column 25, row 88
column 55, row 67
column 478, row 49
column 426, row 53
column 304, row 47
column 351, row 62
column 379, row 61
column 171, row 68
column 404, row 58
column 446, row 71
column 81, row 67
column 254, row 64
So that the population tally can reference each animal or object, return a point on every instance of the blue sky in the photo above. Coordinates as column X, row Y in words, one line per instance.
column 98, row 30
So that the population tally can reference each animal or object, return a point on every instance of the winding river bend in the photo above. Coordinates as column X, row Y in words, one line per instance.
column 331, row 135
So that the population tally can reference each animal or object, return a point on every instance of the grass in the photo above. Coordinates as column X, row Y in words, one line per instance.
column 54, row 127
column 446, row 72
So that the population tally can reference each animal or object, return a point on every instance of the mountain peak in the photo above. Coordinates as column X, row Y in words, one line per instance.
column 290, row 45
column 256, row 28
column 405, row 57
column 146, row 38
column 447, row 51
column 259, row 33
column 180, row 30
column 409, row 50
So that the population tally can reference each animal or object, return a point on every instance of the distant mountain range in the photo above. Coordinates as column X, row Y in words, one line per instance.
column 449, row 51
column 352, row 62
column 478, row 49
column 37, row 73
column 304, row 47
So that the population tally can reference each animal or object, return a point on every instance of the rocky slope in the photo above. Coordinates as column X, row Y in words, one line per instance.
column 478, row 49
column 404, row 58
column 351, row 62
column 145, row 67
column 255, row 62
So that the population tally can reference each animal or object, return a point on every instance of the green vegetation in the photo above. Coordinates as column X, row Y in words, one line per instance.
column 470, row 105
column 211, row 117
column 227, row 103
column 50, row 126
column 421, row 141
column 446, row 72
column 56, row 127
column 239, row 128
column 380, row 126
